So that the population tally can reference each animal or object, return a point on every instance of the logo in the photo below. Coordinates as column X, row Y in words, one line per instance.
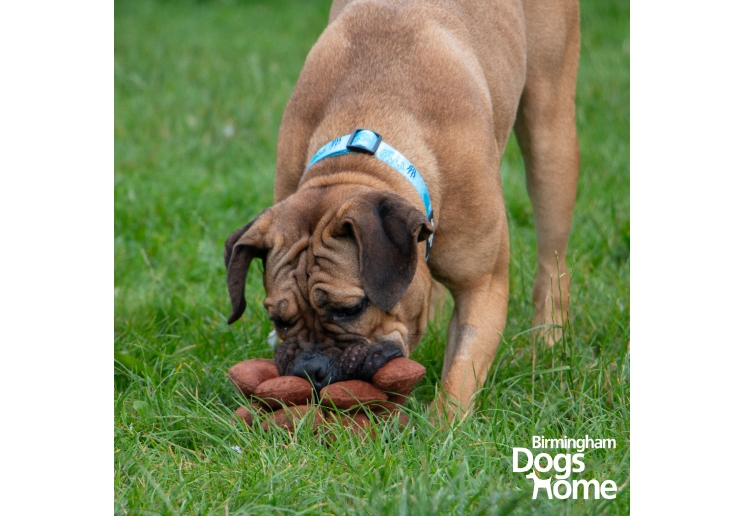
column 562, row 465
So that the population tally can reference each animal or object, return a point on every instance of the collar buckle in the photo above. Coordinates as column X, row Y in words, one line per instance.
column 364, row 141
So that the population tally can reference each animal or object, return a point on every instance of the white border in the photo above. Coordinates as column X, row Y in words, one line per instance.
column 686, row 284
column 56, row 207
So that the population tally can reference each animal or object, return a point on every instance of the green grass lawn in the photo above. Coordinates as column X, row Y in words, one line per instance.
column 199, row 93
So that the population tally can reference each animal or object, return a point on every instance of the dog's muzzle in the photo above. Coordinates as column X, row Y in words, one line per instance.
column 358, row 361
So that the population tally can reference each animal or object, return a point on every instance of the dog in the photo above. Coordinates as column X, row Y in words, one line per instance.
column 387, row 181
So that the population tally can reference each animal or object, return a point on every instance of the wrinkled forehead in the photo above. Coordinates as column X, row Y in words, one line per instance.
column 333, row 272
column 309, row 264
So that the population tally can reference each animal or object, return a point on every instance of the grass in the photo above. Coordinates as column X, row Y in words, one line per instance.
column 199, row 92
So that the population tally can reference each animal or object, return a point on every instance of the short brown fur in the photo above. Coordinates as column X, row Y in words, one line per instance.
column 444, row 82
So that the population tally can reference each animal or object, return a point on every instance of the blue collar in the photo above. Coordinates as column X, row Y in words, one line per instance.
column 365, row 141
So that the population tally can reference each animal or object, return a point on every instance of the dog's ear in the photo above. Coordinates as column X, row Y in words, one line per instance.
column 241, row 248
column 386, row 229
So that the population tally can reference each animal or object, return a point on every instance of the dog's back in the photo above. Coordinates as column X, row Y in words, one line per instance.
column 486, row 37
column 426, row 74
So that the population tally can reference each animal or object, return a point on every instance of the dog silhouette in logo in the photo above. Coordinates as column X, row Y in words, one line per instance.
column 540, row 483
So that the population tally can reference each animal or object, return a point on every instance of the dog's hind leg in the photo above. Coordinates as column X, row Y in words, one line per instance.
column 546, row 132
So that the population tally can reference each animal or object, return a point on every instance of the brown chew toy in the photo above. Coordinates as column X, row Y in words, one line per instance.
column 284, row 400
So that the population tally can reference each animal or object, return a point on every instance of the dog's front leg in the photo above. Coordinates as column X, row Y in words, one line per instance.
column 473, row 335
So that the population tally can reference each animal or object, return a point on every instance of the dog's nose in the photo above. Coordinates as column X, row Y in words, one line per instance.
column 314, row 367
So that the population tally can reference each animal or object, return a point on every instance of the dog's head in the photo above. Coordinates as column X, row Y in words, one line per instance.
column 346, row 284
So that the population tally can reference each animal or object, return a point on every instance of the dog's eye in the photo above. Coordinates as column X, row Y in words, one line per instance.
column 343, row 313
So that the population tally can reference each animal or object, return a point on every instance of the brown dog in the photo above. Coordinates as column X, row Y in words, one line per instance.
column 443, row 82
